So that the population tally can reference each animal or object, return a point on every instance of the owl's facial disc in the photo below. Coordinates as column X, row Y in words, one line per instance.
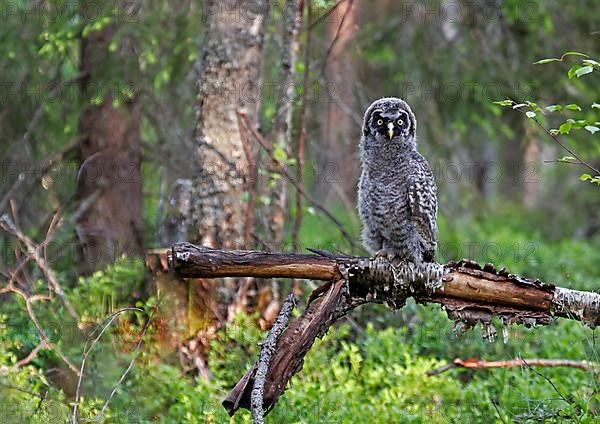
column 390, row 123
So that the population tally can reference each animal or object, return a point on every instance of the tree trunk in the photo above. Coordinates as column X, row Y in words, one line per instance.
column 528, row 172
column 109, row 186
column 338, row 169
column 212, row 210
column 230, row 80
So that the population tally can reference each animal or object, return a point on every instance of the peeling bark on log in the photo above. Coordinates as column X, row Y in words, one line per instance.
column 471, row 294
column 466, row 284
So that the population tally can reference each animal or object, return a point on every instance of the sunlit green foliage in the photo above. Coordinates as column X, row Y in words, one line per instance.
column 580, row 119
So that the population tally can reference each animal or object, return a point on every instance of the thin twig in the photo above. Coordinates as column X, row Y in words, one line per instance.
column 302, row 138
column 100, row 330
column 563, row 397
column 561, row 144
column 45, row 342
column 283, row 170
column 337, row 33
column 250, row 184
column 40, row 168
column 326, row 14
column 496, row 407
column 34, row 251
column 32, row 355
column 567, row 148
column 129, row 367
column 266, row 352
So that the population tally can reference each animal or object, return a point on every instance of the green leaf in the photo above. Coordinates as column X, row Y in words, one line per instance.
column 591, row 62
column 572, row 53
column 554, row 108
column 532, row 105
column 573, row 106
column 573, row 70
column 280, row 155
column 585, row 177
column 265, row 200
column 592, row 128
column 566, row 159
column 541, row 62
column 583, row 71
column 530, row 114
column 565, row 128
column 504, row 102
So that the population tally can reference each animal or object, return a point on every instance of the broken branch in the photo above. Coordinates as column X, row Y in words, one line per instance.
column 466, row 286
column 470, row 294
column 266, row 353
column 479, row 364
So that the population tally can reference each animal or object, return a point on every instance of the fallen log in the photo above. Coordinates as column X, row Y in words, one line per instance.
column 469, row 293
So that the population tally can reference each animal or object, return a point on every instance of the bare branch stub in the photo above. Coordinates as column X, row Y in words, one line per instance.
column 187, row 260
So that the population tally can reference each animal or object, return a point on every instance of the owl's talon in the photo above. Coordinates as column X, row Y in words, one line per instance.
column 385, row 253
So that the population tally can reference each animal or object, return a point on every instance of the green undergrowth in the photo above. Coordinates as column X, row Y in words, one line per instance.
column 373, row 369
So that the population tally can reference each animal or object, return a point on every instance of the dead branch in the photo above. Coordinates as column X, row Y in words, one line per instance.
column 470, row 294
column 250, row 183
column 266, row 353
column 39, row 169
column 33, row 251
column 467, row 286
column 38, row 254
column 478, row 364
column 45, row 342
column 299, row 147
column 291, row 348
column 282, row 168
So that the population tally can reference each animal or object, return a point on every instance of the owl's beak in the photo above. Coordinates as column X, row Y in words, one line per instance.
column 390, row 130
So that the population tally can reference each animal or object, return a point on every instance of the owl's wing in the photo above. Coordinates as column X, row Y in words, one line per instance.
column 422, row 200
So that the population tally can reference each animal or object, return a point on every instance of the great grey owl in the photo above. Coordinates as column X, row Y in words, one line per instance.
column 397, row 195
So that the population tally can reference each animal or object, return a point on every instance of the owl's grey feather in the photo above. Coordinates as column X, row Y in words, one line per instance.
column 397, row 195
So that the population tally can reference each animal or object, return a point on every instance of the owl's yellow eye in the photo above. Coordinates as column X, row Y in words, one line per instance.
column 380, row 122
column 400, row 122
